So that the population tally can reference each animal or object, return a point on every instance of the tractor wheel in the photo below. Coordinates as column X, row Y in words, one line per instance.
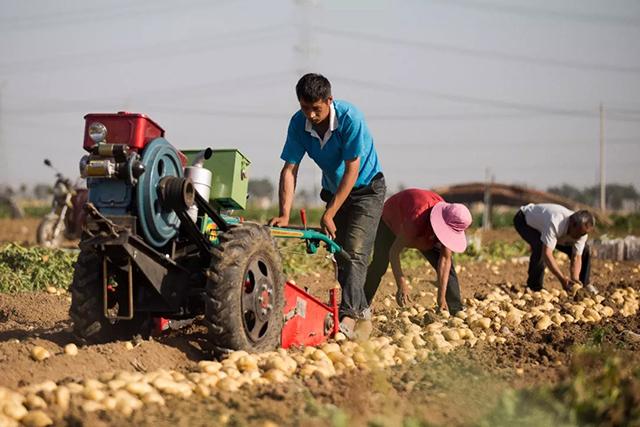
column 86, row 309
column 245, row 291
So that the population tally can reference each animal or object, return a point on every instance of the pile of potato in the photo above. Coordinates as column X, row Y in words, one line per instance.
column 419, row 331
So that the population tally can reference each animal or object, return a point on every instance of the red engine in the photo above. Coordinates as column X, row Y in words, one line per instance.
column 133, row 129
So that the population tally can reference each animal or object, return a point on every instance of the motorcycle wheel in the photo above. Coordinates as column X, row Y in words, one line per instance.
column 44, row 235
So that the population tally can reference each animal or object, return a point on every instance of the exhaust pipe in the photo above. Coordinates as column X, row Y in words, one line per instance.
column 201, row 157
column 201, row 179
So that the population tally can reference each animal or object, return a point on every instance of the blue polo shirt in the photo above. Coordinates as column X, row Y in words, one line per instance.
column 350, row 139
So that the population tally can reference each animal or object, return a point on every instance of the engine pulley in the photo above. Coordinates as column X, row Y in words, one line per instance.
column 158, row 222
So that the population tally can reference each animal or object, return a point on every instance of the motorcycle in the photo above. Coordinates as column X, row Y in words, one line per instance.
column 67, row 216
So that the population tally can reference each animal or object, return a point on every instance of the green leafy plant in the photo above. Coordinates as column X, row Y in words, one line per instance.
column 36, row 268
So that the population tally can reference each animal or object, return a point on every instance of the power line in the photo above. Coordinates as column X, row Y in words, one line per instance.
column 497, row 103
column 533, row 12
column 131, row 10
column 515, row 144
column 156, row 51
column 113, row 103
column 478, row 53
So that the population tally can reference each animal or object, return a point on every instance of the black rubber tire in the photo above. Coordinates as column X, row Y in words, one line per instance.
column 246, row 252
column 45, row 229
column 86, row 309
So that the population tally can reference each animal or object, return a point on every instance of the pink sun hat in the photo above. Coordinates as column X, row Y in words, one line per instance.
column 449, row 220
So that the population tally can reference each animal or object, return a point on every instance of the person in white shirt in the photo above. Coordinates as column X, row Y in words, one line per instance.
column 547, row 226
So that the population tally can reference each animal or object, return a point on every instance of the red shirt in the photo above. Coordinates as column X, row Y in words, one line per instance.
column 407, row 214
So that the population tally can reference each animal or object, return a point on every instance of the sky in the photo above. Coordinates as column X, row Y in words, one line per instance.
column 451, row 89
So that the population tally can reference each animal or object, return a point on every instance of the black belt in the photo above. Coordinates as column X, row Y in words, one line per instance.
column 376, row 177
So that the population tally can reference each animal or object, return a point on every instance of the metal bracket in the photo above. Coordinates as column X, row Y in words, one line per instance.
column 105, row 284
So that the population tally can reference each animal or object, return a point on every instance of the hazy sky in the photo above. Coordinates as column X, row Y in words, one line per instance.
column 448, row 87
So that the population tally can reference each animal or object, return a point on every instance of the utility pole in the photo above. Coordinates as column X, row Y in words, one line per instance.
column 305, row 52
column 4, row 176
column 305, row 48
column 603, row 198
column 486, row 214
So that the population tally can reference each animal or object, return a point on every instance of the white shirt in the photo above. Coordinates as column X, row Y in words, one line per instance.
column 552, row 221
column 333, row 125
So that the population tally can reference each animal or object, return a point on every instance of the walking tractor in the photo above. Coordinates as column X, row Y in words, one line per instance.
column 157, row 246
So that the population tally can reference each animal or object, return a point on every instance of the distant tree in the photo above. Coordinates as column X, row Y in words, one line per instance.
column 259, row 188
column 616, row 194
column 42, row 191
column 573, row 193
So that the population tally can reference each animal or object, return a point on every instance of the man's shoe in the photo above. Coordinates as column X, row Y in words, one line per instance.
column 347, row 327
column 591, row 289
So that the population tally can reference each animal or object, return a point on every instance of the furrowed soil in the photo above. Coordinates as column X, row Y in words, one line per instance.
column 458, row 388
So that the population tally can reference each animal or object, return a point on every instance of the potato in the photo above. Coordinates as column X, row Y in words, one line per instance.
column 116, row 384
column 543, row 323
column 359, row 358
column 202, row 390
column 483, row 323
column 275, row 376
column 418, row 341
column 607, row 311
column 139, row 388
column 6, row 421
column 513, row 318
column 340, row 337
column 92, row 406
column 236, row 355
column 71, row 349
column 75, row 388
column 36, row 419
column 247, row 363
column 557, row 318
column 63, row 397
column 39, row 353
column 456, row 322
column 93, row 394
column 33, row 401
column 209, row 366
column 14, row 409
column 593, row 314
column 451, row 334
column 153, row 397
column 92, row 383
column 228, row 384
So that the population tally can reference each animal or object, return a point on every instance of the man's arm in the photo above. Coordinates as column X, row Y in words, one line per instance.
column 550, row 261
column 444, row 267
column 286, row 190
column 351, row 171
column 402, row 295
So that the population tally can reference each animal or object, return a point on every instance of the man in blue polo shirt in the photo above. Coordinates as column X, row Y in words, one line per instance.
column 334, row 134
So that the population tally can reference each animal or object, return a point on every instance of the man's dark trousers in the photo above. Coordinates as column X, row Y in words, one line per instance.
column 380, row 262
column 355, row 221
column 532, row 236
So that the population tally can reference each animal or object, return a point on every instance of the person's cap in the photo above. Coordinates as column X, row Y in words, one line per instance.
column 449, row 220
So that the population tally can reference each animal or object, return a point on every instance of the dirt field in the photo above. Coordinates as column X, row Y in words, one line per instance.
column 459, row 387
